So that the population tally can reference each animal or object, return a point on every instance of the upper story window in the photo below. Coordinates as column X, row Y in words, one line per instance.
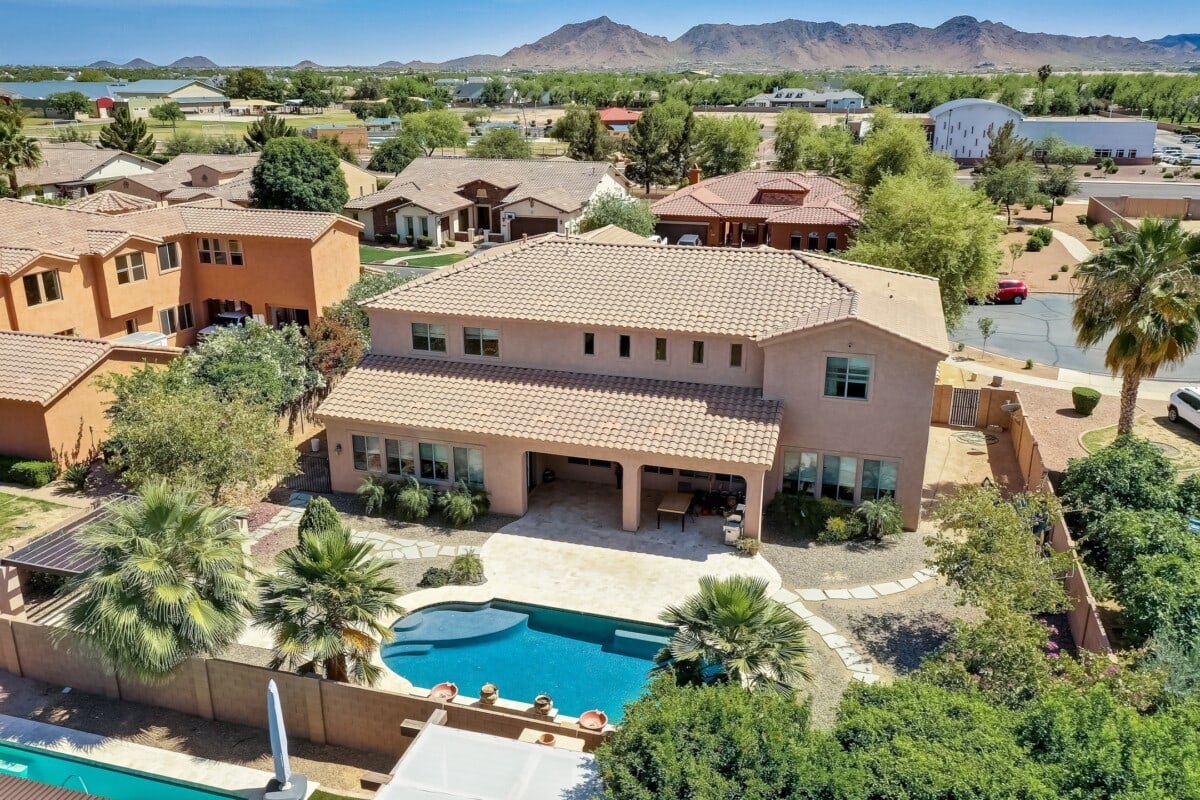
column 697, row 352
column 589, row 344
column 624, row 345
column 131, row 267
column 847, row 377
column 735, row 354
column 429, row 337
column 221, row 251
column 173, row 320
column 481, row 342
column 42, row 288
column 168, row 257
column 660, row 349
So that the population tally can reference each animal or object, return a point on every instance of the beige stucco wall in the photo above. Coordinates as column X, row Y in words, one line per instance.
column 892, row 424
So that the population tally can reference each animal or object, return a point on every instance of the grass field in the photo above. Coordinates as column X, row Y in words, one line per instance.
column 368, row 255
column 441, row 260
column 23, row 515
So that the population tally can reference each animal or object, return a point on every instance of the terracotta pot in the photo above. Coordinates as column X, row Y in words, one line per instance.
column 593, row 720
column 542, row 704
column 547, row 739
column 444, row 692
column 489, row 694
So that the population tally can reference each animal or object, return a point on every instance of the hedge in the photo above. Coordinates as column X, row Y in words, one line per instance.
column 27, row 473
column 1085, row 400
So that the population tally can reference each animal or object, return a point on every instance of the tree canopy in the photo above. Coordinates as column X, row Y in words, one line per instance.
column 611, row 208
column 396, row 153
column 505, row 143
column 167, row 112
column 659, row 150
column 268, row 366
column 69, row 103
column 583, row 132
column 725, row 146
column 432, row 130
column 17, row 152
column 298, row 174
column 128, row 134
column 896, row 146
column 266, row 128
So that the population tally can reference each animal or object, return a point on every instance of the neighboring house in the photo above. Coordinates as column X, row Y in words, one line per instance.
column 808, row 100
column 462, row 199
column 618, row 121
column 168, row 270
column 783, row 210
column 110, row 202
column 201, row 176
column 963, row 129
column 48, row 398
column 470, row 91
column 766, row 372
column 138, row 96
column 73, row 169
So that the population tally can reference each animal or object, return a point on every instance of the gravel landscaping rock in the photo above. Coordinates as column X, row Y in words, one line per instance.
column 434, row 529
column 830, row 679
column 1056, row 424
column 804, row 564
column 265, row 549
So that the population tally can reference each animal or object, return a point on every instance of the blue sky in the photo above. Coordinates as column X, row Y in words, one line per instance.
column 336, row 32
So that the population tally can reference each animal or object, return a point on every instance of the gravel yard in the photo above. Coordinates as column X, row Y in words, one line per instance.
column 1056, row 424
column 804, row 564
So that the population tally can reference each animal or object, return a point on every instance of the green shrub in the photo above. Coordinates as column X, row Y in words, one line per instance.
column 467, row 569
column 462, row 504
column 77, row 475
column 1112, row 170
column 424, row 242
column 1064, row 268
column 434, row 578
column 1043, row 235
column 33, row 473
column 841, row 529
column 1087, row 174
column 319, row 515
column 1020, row 229
column 375, row 492
column 748, row 546
column 1053, row 276
column 1196, row 174
column 880, row 518
column 1034, row 245
column 1129, row 473
column 1029, row 363
column 411, row 499
column 1082, row 219
column 1085, row 399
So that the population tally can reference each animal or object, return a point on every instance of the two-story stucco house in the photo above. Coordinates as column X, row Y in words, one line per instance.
column 778, row 371
column 168, row 270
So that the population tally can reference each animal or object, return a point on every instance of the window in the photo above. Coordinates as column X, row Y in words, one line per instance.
column 131, row 326
column 435, row 461
column 623, row 345
column 1120, row 154
column 42, row 288
column 814, row 241
column 660, row 349
column 216, row 251
column 1133, row 153
column 429, row 337
column 878, row 479
column 589, row 462
column 235, row 253
column 67, row 332
column 589, row 344
column 290, row 316
column 659, row 470
column 830, row 241
column 847, row 377
column 399, row 457
column 468, row 466
column 131, row 267
column 799, row 472
column 697, row 352
column 735, row 354
column 176, row 319
column 168, row 257
column 837, row 478
column 481, row 342
column 687, row 473
column 368, row 456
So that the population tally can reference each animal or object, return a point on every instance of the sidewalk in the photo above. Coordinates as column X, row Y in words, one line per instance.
column 1069, row 378
column 1078, row 250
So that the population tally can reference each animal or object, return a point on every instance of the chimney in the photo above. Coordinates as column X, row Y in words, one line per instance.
column 694, row 175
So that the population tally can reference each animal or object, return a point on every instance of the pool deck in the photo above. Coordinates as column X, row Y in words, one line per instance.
column 249, row 783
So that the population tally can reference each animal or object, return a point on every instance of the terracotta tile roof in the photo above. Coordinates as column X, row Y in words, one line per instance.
column 611, row 234
column 758, row 293
column 218, row 217
column 35, row 367
column 70, row 162
column 438, row 199
column 111, row 202
column 687, row 420
column 571, row 182
column 60, row 230
column 826, row 202
column 175, row 173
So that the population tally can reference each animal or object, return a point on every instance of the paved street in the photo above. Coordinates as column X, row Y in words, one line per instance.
column 1104, row 188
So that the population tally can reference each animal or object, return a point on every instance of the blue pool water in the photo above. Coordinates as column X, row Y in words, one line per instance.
column 99, row 780
column 582, row 661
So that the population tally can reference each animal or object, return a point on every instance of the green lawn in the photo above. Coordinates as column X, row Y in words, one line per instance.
column 321, row 794
column 440, row 260
column 23, row 515
column 368, row 255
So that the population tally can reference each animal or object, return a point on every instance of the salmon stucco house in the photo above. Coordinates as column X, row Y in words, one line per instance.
column 559, row 357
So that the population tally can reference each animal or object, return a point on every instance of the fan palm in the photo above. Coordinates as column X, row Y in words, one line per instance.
column 171, row 582
column 1144, row 290
column 324, row 604
column 17, row 151
column 730, row 630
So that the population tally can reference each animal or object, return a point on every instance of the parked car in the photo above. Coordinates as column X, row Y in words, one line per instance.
column 224, row 319
column 1184, row 406
column 690, row 240
column 1010, row 291
column 1189, row 138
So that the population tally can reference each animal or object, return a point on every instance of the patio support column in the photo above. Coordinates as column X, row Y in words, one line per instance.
column 12, row 598
column 631, row 496
column 752, row 520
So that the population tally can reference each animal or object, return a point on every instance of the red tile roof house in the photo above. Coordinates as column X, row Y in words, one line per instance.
column 783, row 210
column 465, row 199
column 619, row 120
column 795, row 372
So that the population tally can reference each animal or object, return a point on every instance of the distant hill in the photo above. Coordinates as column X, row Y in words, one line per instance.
column 194, row 62
column 306, row 64
column 960, row 43
column 102, row 65
column 138, row 63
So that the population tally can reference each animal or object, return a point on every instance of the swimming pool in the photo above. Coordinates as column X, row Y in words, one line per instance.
column 99, row 780
column 582, row 661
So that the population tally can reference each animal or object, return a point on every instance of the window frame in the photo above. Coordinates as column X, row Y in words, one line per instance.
column 130, row 268
column 471, row 455
column 878, row 471
column 698, row 349
column 367, row 453
column 589, row 343
column 479, row 335
column 40, row 283
column 625, row 346
column 430, row 336
column 737, row 356
column 174, row 259
column 436, row 449
column 665, row 350
column 840, row 489
column 794, row 461
column 846, row 382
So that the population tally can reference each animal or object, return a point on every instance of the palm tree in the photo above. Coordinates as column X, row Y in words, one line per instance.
column 325, row 602
column 1144, row 290
column 730, row 630
column 17, row 151
column 171, row 582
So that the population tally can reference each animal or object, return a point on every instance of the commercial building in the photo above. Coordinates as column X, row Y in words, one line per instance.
column 808, row 100
column 137, row 96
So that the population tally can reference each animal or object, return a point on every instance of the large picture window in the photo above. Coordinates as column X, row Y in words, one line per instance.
column 400, row 459
column 838, row 475
column 799, row 472
column 847, row 377
column 878, row 479
column 481, row 342
column 42, row 288
column 435, row 462
column 368, row 453
column 468, row 466
column 428, row 337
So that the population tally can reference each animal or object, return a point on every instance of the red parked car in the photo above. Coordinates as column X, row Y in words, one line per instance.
column 1010, row 291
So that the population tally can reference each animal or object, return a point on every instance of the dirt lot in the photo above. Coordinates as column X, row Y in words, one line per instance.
column 1179, row 442
column 1056, row 424
column 962, row 373
column 1041, row 271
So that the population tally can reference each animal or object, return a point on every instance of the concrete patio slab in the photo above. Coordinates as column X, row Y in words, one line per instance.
column 863, row 593
column 812, row 595
column 820, row 626
column 837, row 594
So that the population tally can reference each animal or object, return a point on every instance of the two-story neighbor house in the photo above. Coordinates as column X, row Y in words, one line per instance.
column 784, row 210
column 73, row 169
column 774, row 371
column 168, row 270
column 498, row 200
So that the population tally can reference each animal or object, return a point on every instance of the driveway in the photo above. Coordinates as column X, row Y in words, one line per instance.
column 1040, row 329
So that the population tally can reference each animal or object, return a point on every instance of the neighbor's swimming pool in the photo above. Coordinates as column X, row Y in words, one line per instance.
column 581, row 660
column 99, row 780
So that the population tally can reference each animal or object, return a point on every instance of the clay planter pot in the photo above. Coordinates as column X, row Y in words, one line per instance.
column 594, row 720
column 547, row 739
column 542, row 705
column 445, row 692
column 489, row 694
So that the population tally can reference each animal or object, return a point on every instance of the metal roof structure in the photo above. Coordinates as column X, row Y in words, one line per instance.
column 57, row 553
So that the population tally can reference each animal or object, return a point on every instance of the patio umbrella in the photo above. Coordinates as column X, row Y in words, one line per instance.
column 283, row 770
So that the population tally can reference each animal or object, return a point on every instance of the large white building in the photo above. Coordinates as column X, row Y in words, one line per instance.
column 961, row 129
column 808, row 99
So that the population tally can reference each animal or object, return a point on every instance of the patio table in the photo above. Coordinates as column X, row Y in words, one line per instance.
column 675, row 503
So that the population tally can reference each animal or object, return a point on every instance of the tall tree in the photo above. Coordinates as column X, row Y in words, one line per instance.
column 171, row 582
column 247, row 83
column 621, row 210
column 732, row 631
column 920, row 224
column 1055, row 150
column 298, row 174
column 897, row 146
column 396, row 153
column 267, row 366
column 584, row 134
column 793, row 129
column 1004, row 148
column 1143, row 290
column 504, row 143
column 660, row 144
column 128, row 134
column 726, row 146
column 167, row 112
column 68, row 104
column 1043, row 74
column 435, row 129
column 324, row 602
column 266, row 128
column 1058, row 183
column 1013, row 183
column 17, row 152
column 313, row 89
